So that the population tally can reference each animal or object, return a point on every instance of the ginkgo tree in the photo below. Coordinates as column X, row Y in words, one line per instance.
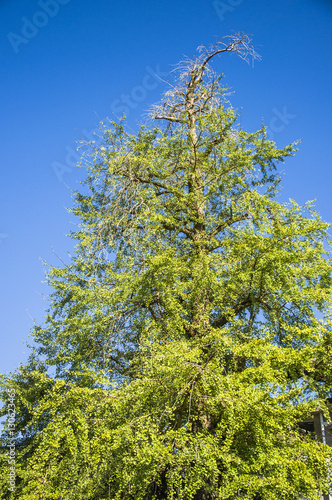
column 191, row 331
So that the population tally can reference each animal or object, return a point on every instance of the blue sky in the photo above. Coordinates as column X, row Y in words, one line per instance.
column 66, row 64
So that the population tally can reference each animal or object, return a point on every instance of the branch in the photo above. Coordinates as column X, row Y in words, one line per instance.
column 170, row 119
column 237, row 309
column 228, row 223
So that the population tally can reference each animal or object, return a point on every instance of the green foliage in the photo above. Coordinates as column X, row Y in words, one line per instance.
column 191, row 331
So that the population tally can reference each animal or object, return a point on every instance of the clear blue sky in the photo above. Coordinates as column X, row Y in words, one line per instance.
column 66, row 64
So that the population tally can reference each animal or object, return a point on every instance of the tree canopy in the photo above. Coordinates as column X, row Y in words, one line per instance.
column 191, row 331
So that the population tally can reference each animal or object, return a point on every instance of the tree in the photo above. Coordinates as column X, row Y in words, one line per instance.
column 191, row 331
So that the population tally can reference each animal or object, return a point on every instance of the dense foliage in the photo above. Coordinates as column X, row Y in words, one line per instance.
column 191, row 331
